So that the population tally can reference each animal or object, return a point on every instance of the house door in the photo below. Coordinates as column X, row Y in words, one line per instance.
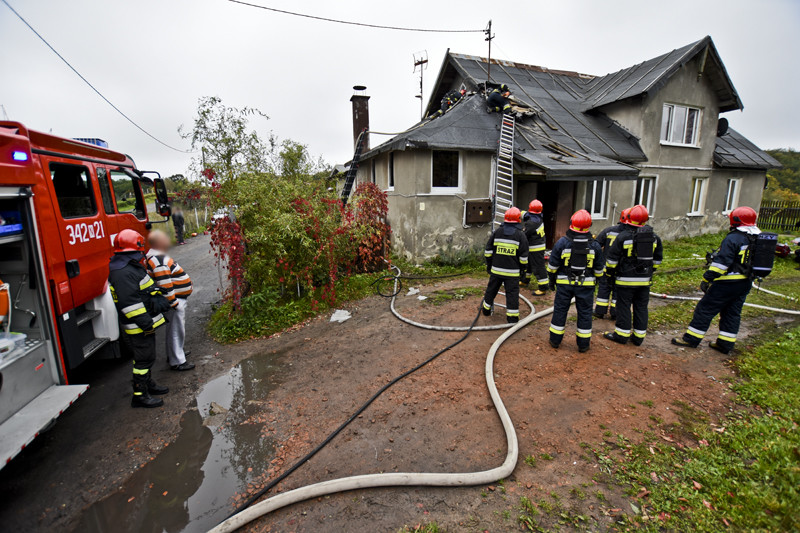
column 558, row 199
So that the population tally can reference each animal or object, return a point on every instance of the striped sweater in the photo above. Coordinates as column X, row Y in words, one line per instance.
column 173, row 281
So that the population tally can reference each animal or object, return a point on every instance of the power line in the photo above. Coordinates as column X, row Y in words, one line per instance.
column 118, row 110
column 378, row 26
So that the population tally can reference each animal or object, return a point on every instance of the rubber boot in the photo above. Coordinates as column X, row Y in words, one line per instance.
column 612, row 336
column 155, row 388
column 142, row 398
column 512, row 319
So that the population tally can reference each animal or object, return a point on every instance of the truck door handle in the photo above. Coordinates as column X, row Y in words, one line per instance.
column 73, row 268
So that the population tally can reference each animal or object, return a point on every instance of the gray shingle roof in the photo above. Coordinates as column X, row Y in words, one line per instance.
column 734, row 151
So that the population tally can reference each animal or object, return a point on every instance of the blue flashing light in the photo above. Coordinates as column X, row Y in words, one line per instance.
column 20, row 156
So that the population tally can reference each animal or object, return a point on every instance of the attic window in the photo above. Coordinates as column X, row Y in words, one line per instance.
column 445, row 172
column 679, row 125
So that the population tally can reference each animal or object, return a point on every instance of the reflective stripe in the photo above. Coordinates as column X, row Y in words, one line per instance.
column 632, row 282
column 505, row 271
column 126, row 310
column 557, row 332
column 695, row 332
column 719, row 268
column 622, row 332
column 140, row 371
column 565, row 281
column 602, row 301
column 542, row 281
column 559, row 329
column 512, row 312
column 640, row 333
column 148, row 283
column 536, row 248
column 523, row 260
column 725, row 336
column 488, row 253
column 136, row 312
column 137, row 393
column 487, row 306
column 158, row 320
column 584, row 333
column 727, row 277
column 551, row 268
column 510, row 242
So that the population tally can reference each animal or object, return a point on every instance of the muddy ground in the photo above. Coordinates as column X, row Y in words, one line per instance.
column 250, row 410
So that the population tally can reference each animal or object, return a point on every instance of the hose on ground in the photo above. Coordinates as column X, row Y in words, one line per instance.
column 405, row 478
column 397, row 314
column 759, row 288
column 748, row 304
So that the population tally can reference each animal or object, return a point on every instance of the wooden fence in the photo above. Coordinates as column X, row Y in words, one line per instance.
column 779, row 216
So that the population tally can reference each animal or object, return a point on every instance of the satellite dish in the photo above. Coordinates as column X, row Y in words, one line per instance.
column 722, row 127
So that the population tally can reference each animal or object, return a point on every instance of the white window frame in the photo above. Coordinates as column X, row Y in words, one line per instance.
column 605, row 189
column 733, row 188
column 390, row 177
column 650, row 204
column 449, row 190
column 699, row 191
column 668, row 114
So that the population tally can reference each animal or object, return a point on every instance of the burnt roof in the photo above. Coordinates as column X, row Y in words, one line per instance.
column 733, row 150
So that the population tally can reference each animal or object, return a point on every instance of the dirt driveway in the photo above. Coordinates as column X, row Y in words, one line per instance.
column 251, row 410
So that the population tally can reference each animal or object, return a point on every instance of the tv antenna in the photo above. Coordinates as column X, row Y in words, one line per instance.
column 489, row 37
column 5, row 115
column 421, row 62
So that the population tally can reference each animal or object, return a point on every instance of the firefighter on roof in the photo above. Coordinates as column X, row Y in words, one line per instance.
column 497, row 99
column 449, row 100
column 534, row 231
column 630, row 263
column 139, row 305
column 575, row 262
column 605, row 285
column 727, row 282
column 506, row 262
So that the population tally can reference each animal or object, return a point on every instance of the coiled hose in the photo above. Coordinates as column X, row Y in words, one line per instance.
column 247, row 514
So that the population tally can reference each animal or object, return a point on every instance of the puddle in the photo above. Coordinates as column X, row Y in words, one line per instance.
column 189, row 485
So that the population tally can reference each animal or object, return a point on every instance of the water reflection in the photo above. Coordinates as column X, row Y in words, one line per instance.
column 189, row 485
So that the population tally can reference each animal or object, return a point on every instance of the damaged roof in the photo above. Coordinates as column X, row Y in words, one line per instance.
column 568, row 136
column 733, row 150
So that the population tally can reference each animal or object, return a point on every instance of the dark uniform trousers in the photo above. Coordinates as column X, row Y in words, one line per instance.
column 143, row 348
column 512, row 293
column 537, row 268
column 583, row 305
column 725, row 298
column 639, row 297
column 605, row 301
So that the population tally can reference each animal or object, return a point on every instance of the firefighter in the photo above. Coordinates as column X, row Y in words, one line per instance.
column 139, row 304
column 449, row 100
column 726, row 284
column 575, row 262
column 506, row 262
column 498, row 99
column 534, row 231
column 605, row 287
column 630, row 263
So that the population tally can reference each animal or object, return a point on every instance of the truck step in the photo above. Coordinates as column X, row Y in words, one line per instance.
column 94, row 346
column 88, row 315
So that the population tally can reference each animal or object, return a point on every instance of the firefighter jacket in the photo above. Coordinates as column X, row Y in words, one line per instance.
column 507, row 252
column 562, row 263
column 730, row 262
column 627, row 265
column 608, row 235
column 534, row 231
column 139, row 302
column 169, row 276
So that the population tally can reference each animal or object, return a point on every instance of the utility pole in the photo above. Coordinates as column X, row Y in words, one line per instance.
column 489, row 37
column 421, row 61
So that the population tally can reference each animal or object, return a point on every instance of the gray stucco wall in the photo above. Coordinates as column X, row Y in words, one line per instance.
column 674, row 167
column 424, row 223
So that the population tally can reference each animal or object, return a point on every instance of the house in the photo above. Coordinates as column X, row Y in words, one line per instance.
column 649, row 134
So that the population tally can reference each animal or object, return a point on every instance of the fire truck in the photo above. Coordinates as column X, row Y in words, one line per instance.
column 62, row 202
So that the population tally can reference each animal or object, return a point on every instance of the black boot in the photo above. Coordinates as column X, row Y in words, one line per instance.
column 142, row 398
column 155, row 388
column 512, row 319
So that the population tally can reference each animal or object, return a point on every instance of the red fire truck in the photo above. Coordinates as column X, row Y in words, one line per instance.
column 62, row 201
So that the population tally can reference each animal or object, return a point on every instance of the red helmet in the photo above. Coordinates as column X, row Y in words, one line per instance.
column 637, row 215
column 535, row 207
column 623, row 216
column 128, row 240
column 512, row 215
column 581, row 221
column 743, row 216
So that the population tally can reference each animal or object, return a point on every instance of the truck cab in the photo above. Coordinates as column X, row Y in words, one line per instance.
column 62, row 202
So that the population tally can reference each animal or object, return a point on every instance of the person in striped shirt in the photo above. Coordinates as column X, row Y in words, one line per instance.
column 176, row 285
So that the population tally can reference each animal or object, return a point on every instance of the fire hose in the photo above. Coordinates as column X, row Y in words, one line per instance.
column 430, row 479
column 748, row 304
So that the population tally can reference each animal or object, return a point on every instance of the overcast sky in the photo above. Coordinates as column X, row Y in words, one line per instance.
column 155, row 58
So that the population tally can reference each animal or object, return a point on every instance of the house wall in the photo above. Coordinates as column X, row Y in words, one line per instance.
column 675, row 166
column 425, row 224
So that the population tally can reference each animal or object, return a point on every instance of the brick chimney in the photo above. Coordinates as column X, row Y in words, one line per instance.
column 360, row 113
